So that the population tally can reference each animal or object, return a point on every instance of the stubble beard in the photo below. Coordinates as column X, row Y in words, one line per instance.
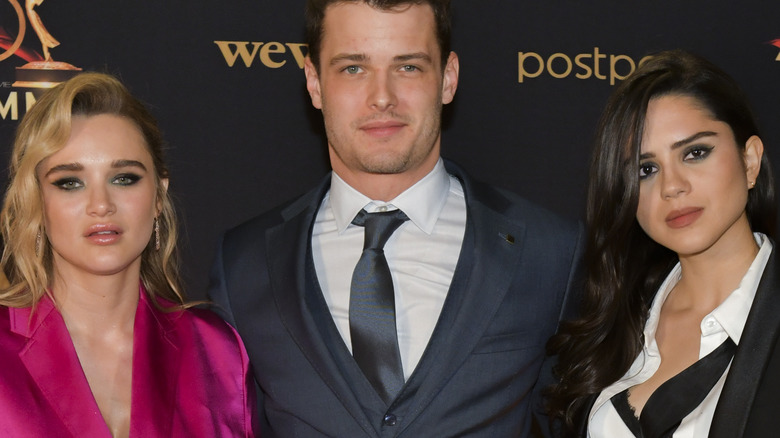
column 390, row 162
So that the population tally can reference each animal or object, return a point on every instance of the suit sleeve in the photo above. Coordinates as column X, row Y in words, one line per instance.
column 569, row 309
column 217, row 292
column 220, row 298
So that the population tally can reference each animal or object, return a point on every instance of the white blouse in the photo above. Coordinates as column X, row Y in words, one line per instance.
column 727, row 320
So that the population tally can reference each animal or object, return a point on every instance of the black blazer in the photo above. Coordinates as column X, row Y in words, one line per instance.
column 479, row 375
column 749, row 405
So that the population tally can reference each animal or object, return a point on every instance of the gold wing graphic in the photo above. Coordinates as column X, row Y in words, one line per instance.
column 20, row 36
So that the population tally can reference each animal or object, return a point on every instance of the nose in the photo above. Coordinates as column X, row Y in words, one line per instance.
column 100, row 202
column 382, row 93
column 673, row 183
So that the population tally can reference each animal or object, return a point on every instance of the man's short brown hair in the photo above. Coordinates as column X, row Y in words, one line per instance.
column 315, row 15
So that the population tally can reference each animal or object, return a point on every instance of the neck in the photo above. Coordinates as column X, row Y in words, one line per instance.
column 383, row 186
column 708, row 278
column 95, row 304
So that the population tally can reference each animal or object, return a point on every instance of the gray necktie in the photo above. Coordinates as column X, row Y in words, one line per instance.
column 372, row 306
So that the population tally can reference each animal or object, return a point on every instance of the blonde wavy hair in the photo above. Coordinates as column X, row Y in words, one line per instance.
column 44, row 130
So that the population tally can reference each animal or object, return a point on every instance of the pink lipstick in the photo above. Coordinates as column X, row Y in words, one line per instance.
column 683, row 217
column 103, row 234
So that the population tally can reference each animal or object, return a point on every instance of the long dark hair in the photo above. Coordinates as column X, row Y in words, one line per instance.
column 625, row 267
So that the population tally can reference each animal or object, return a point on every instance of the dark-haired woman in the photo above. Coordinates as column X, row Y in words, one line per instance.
column 678, row 334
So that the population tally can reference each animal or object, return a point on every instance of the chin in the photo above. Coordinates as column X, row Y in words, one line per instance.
column 691, row 247
column 386, row 165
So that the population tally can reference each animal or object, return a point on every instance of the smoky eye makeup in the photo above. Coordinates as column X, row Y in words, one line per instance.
column 67, row 183
column 697, row 152
column 126, row 179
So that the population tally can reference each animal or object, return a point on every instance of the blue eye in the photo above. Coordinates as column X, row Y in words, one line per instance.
column 410, row 68
column 68, row 183
column 352, row 69
column 126, row 179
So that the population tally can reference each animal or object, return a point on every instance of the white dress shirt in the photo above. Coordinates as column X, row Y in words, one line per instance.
column 726, row 321
column 421, row 254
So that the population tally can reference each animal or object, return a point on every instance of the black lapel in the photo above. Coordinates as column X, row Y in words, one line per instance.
column 755, row 348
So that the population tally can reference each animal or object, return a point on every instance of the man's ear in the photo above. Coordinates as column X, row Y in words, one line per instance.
column 312, row 82
column 450, row 81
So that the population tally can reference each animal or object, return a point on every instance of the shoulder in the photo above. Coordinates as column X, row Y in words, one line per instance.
column 202, row 322
column 200, row 328
column 209, row 325
column 489, row 199
column 5, row 318
column 8, row 339
column 19, row 329
column 254, row 228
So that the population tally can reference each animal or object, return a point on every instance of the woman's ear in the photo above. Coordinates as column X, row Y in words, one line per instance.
column 164, row 185
column 754, row 150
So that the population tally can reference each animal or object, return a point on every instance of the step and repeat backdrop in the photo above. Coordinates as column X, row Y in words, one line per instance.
column 225, row 80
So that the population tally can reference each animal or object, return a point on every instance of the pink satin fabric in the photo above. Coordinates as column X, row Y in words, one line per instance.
column 191, row 377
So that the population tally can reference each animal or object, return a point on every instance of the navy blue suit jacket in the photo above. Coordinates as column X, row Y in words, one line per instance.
column 479, row 375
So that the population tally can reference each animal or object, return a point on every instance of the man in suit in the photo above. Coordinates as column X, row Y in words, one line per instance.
column 470, row 283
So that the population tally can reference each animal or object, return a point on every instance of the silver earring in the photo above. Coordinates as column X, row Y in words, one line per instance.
column 156, row 234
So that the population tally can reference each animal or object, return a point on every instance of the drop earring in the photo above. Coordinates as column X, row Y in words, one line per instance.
column 156, row 234
column 38, row 239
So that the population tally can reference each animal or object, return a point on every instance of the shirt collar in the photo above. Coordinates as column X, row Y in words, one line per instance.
column 732, row 313
column 421, row 202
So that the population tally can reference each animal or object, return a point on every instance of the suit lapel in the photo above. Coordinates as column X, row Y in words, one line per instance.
column 153, row 386
column 491, row 244
column 758, row 340
column 301, row 310
column 52, row 362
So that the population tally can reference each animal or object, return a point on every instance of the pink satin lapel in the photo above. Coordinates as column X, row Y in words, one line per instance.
column 154, row 386
column 190, row 378
column 51, row 360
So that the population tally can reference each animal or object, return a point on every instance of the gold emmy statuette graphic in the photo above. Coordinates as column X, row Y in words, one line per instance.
column 46, row 73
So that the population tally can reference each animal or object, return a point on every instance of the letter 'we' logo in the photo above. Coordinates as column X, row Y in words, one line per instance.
column 271, row 54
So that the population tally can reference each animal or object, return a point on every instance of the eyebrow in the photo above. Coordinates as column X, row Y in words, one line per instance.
column 128, row 163
column 69, row 167
column 75, row 167
column 350, row 57
column 360, row 57
column 413, row 56
column 683, row 142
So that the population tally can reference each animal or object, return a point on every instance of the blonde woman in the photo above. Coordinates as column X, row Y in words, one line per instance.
column 95, row 336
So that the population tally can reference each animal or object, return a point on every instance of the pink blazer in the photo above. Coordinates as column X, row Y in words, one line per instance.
column 191, row 377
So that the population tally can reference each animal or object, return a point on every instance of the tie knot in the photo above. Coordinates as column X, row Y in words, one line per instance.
column 379, row 226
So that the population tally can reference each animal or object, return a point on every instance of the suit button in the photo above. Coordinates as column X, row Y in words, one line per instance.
column 390, row 420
